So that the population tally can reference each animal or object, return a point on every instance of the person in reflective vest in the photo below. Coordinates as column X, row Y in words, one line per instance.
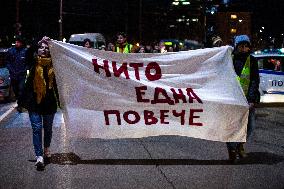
column 246, row 69
column 122, row 45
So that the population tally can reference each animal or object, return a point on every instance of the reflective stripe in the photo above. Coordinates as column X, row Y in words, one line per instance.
column 244, row 78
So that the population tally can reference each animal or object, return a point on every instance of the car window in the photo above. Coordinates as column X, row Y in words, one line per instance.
column 80, row 43
column 100, row 43
column 271, row 63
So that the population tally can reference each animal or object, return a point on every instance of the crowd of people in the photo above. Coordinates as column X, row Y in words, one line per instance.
column 122, row 45
column 37, row 91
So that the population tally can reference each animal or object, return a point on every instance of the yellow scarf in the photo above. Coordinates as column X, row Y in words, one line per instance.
column 39, row 82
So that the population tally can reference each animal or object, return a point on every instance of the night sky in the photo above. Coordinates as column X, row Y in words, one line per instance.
column 40, row 17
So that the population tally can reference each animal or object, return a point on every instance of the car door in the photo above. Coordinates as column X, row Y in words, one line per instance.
column 271, row 72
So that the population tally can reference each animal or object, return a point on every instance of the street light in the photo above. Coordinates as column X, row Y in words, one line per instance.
column 283, row 40
column 60, row 21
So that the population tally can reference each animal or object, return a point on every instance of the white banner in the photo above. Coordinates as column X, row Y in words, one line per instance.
column 112, row 95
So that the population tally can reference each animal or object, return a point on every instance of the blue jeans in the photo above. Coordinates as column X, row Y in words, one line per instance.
column 18, row 84
column 250, row 128
column 38, row 122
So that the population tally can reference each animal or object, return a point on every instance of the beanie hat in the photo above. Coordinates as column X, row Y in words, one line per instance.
column 216, row 40
column 241, row 38
column 20, row 39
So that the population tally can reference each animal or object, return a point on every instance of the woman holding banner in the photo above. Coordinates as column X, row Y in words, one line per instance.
column 41, row 100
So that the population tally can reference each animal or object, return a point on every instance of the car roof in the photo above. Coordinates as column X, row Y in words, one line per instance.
column 92, row 36
column 269, row 53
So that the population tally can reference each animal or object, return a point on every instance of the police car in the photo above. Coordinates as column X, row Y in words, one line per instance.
column 271, row 73
column 5, row 82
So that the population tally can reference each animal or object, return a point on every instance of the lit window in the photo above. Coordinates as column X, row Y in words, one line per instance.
column 233, row 16
column 233, row 30
column 175, row 3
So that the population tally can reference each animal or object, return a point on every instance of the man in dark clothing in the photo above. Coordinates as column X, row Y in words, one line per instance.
column 17, row 65
column 246, row 69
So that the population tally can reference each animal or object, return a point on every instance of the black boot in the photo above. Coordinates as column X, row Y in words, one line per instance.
column 241, row 150
column 233, row 156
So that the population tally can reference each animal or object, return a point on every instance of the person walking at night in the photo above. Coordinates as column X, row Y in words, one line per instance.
column 41, row 100
column 141, row 49
column 17, row 64
column 216, row 41
column 122, row 45
column 162, row 47
column 246, row 69
column 87, row 43
column 156, row 48
column 110, row 47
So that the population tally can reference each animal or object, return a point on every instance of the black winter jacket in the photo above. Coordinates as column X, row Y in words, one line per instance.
column 48, row 104
column 16, row 61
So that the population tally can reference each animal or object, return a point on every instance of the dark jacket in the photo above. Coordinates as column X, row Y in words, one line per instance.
column 239, row 60
column 48, row 104
column 16, row 61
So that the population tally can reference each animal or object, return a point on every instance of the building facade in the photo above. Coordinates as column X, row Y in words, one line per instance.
column 230, row 24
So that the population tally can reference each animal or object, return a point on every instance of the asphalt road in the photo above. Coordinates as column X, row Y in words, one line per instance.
column 152, row 162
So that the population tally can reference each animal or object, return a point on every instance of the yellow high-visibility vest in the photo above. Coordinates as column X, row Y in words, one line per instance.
column 244, row 78
column 127, row 48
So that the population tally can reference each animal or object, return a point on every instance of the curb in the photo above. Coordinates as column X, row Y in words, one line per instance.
column 3, row 116
column 271, row 104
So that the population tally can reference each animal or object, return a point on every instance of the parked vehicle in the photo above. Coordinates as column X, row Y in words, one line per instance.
column 5, row 82
column 181, row 45
column 97, row 39
column 271, row 71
